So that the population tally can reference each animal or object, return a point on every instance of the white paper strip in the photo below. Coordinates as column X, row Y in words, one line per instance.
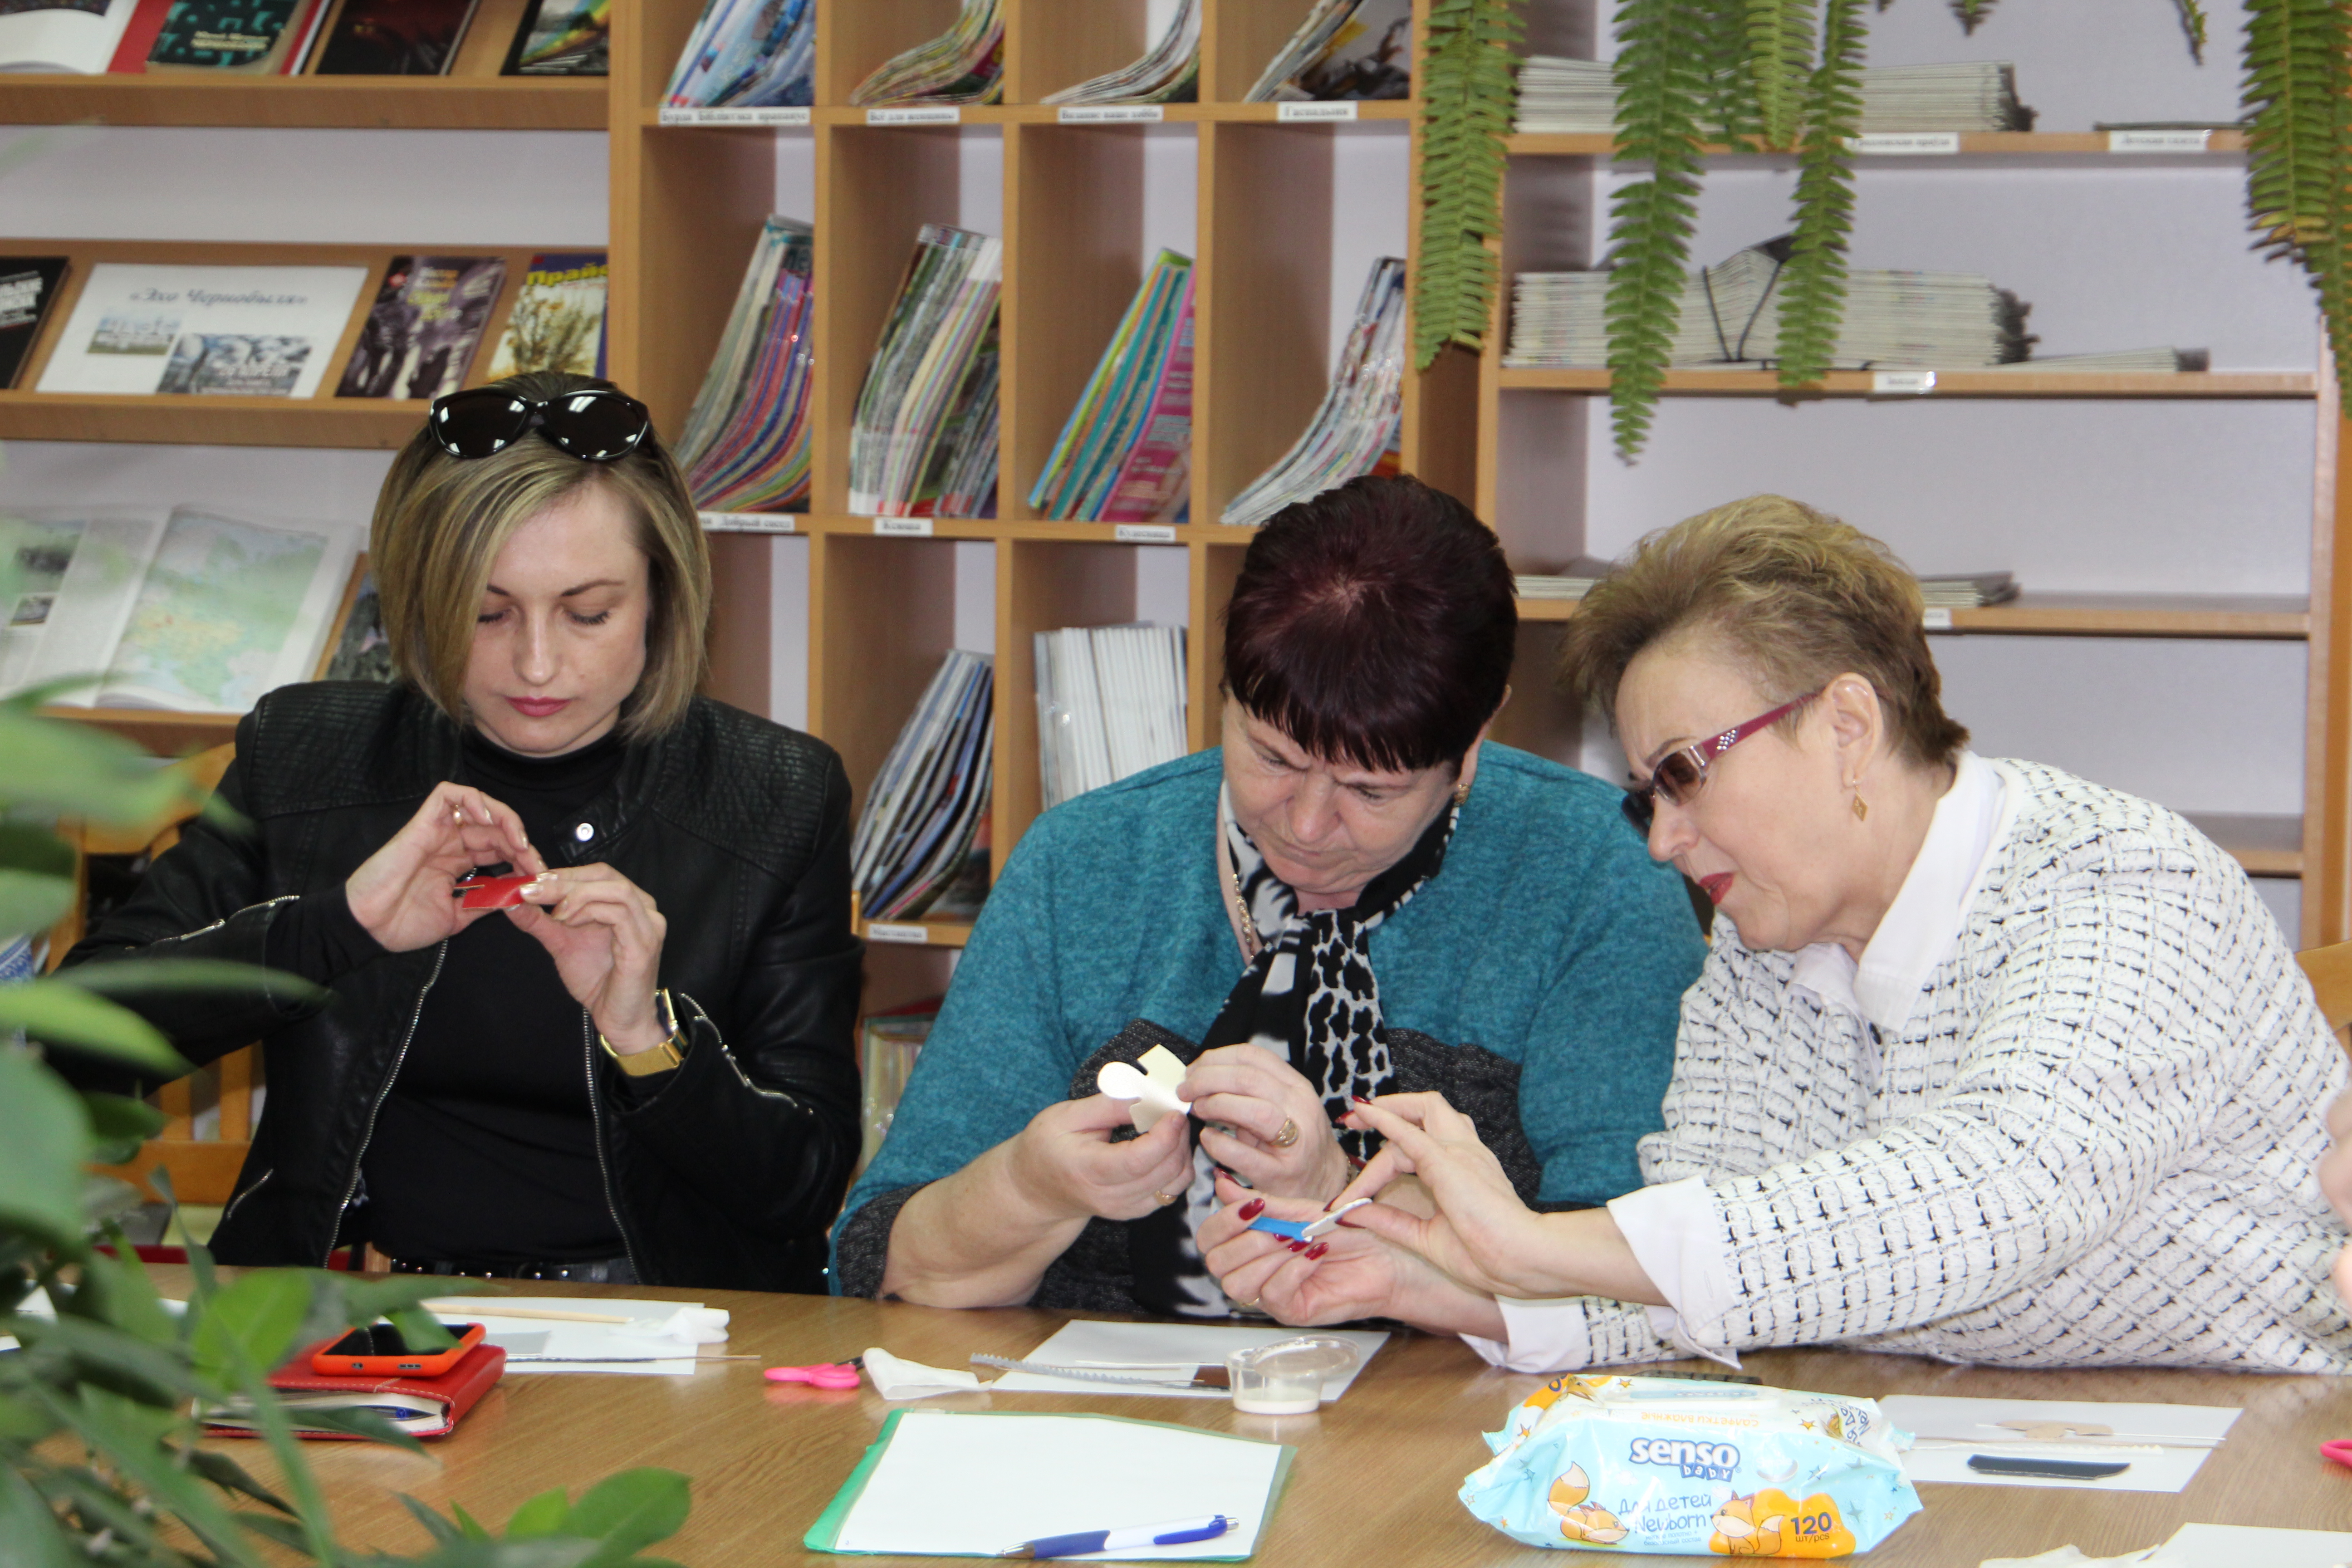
column 1145, row 533
column 918, row 114
column 904, row 527
column 1111, row 114
column 1903, row 143
column 1289, row 113
column 915, row 936
column 749, row 522
column 722, row 116
column 1914, row 383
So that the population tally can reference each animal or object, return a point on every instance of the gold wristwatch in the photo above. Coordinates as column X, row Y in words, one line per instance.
column 662, row 1058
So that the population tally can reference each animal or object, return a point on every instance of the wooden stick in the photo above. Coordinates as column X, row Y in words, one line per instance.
column 487, row 1307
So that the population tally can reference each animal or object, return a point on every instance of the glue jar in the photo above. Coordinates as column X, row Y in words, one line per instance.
column 1286, row 1377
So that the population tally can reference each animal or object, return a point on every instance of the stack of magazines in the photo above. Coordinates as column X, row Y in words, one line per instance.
column 1125, row 451
column 924, row 813
column 963, row 65
column 1356, row 430
column 1580, row 98
column 1343, row 49
column 1571, row 582
column 746, row 443
column 1110, row 702
column 923, row 440
column 1731, row 317
column 750, row 53
column 1170, row 73
column 1968, row 591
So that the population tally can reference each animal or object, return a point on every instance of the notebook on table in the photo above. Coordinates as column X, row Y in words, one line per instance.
column 420, row 1406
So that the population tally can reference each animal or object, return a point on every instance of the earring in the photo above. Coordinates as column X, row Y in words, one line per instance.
column 1461, row 793
column 1861, row 808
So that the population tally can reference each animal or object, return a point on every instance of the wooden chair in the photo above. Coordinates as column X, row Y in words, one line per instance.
column 203, row 1171
column 2330, row 972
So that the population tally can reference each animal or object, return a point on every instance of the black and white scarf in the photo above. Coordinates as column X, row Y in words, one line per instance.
column 1310, row 996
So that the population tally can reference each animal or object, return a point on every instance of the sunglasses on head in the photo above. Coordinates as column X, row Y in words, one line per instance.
column 1678, row 773
column 595, row 425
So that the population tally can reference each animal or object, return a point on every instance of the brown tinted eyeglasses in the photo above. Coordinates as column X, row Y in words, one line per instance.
column 1678, row 773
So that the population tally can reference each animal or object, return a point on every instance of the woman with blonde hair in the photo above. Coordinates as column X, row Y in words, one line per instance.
column 643, row 1070
column 1987, row 1062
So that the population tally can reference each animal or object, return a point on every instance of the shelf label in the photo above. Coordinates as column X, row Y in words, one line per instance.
column 1903, row 143
column 914, row 936
column 1938, row 618
column 917, row 114
column 1913, row 383
column 778, row 116
column 1145, row 533
column 904, row 527
column 749, row 522
column 1289, row 113
column 1111, row 114
column 2158, row 140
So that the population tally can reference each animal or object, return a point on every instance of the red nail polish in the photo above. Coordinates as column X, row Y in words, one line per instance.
column 1318, row 1250
column 1252, row 1208
column 1359, row 1100
column 1297, row 1246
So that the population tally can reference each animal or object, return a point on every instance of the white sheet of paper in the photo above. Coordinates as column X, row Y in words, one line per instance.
column 1083, row 1341
column 674, row 1353
column 970, row 1484
column 1974, row 1420
column 2152, row 1470
column 2238, row 1545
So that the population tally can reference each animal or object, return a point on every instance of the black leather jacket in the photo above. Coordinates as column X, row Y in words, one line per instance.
column 723, row 1175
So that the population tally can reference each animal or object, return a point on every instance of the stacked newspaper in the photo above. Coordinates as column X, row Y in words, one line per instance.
column 926, row 808
column 1170, row 73
column 1580, row 98
column 1731, row 316
column 1571, row 582
column 746, row 443
column 963, row 65
column 923, row 442
column 1110, row 702
column 1968, row 590
column 1356, row 430
column 1342, row 50
column 1125, row 448
column 749, row 53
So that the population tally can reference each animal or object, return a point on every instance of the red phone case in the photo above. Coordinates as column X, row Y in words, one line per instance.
column 495, row 892
column 326, row 1362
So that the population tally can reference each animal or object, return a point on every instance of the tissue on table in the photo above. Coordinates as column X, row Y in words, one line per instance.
column 1674, row 1465
column 896, row 1377
column 659, row 1337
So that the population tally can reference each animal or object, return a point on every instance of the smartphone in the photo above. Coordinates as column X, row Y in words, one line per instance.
column 379, row 1351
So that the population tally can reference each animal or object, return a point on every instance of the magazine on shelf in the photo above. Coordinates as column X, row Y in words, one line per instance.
column 394, row 37
column 1110, row 703
column 141, row 327
column 750, row 53
column 745, row 446
column 355, row 647
column 1342, row 50
column 29, row 286
column 1140, row 393
column 76, row 35
column 1572, row 581
column 420, row 336
column 563, row 37
column 190, row 611
column 1168, row 73
column 889, row 1044
column 925, row 809
column 933, row 364
column 1356, row 428
column 557, row 320
column 963, row 65
column 1580, row 98
column 253, row 37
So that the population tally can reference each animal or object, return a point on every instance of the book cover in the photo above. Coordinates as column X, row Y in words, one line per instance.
column 563, row 37
column 243, row 36
column 395, row 37
column 558, row 322
column 141, row 327
column 1370, row 57
column 420, row 335
column 139, row 37
column 28, row 288
column 420, row 1406
column 76, row 35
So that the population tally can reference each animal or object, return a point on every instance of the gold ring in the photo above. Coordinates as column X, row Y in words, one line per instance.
column 1288, row 1135
column 1165, row 1199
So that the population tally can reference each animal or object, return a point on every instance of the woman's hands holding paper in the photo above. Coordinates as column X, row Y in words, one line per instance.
column 1066, row 1165
column 404, row 894
column 1258, row 1096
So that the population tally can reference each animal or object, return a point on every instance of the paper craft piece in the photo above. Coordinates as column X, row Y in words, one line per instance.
column 895, row 1377
column 495, row 892
column 664, row 1333
column 1084, row 1342
column 1153, row 1088
column 2164, row 1444
column 953, row 1484
column 1306, row 1230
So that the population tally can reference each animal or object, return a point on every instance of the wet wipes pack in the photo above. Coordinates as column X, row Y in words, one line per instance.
column 1674, row 1465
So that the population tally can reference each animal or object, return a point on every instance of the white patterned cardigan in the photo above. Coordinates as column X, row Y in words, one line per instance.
column 2093, row 1144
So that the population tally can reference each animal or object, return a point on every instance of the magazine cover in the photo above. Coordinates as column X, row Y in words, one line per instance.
column 559, row 318
column 1370, row 58
column 395, row 37
column 563, row 37
column 246, row 36
column 253, row 329
column 420, row 337
column 28, row 287
column 76, row 36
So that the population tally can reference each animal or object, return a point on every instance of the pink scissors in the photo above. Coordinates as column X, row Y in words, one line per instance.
column 2339, row 1450
column 825, row 1374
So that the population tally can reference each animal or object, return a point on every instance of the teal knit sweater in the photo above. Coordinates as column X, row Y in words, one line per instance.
column 1549, row 936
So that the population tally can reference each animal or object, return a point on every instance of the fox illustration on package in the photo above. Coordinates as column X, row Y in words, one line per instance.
column 1677, row 1465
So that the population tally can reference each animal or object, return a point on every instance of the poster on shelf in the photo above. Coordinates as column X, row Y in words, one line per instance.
column 251, row 331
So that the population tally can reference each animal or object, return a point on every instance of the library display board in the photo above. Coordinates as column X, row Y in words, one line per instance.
column 691, row 190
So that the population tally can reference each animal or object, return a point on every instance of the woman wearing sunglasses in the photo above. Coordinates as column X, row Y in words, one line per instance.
column 1987, row 1063
column 640, row 1071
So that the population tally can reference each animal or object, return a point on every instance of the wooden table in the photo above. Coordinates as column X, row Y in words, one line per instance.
column 1374, row 1479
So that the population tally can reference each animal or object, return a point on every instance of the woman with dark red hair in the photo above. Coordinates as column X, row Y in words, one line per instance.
column 1356, row 894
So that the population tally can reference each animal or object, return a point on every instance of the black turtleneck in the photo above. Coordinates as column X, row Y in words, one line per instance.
column 485, row 1149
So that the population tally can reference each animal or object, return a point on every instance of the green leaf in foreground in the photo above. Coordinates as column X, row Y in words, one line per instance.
column 44, row 1138
column 65, row 1015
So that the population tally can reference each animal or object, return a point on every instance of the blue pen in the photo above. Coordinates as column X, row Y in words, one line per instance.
column 1182, row 1533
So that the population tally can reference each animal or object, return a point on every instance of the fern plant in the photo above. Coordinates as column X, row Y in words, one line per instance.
column 1468, row 94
